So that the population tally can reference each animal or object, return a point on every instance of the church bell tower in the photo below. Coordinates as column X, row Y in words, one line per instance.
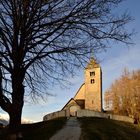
column 93, row 86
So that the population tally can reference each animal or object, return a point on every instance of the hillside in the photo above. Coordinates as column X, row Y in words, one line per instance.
column 106, row 129
column 37, row 131
column 92, row 129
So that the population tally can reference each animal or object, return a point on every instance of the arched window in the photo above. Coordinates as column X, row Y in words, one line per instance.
column 92, row 73
column 92, row 81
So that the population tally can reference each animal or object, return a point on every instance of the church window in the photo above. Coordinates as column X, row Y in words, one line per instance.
column 92, row 81
column 92, row 73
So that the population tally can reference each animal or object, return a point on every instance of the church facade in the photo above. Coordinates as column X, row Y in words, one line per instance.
column 89, row 95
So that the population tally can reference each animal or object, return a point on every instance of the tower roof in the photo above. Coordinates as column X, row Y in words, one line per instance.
column 92, row 64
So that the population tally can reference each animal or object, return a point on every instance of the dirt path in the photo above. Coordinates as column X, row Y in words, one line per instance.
column 71, row 131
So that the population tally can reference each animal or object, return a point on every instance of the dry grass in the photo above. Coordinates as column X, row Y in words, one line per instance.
column 105, row 129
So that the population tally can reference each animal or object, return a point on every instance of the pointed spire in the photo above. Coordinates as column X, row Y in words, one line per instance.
column 92, row 64
column 92, row 53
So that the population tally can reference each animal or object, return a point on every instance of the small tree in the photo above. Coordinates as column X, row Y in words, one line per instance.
column 42, row 40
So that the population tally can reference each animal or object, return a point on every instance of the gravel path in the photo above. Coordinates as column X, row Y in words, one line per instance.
column 71, row 131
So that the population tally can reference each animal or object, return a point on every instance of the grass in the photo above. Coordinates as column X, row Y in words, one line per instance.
column 92, row 129
column 39, row 131
column 105, row 129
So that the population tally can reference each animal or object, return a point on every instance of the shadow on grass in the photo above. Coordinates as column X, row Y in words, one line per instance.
column 38, row 131
column 105, row 129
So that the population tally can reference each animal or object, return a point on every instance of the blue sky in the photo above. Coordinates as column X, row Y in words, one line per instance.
column 113, row 61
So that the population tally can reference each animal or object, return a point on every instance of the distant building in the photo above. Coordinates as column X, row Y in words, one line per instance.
column 89, row 95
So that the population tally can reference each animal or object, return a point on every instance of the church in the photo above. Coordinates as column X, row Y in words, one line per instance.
column 87, row 102
column 89, row 95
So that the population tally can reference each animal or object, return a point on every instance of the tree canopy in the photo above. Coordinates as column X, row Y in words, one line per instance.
column 43, row 40
column 123, row 97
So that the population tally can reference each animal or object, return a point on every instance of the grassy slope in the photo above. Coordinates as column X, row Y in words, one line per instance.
column 105, row 129
column 41, row 130
column 92, row 129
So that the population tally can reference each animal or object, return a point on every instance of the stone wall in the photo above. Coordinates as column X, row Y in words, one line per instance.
column 54, row 115
column 90, row 113
column 87, row 113
column 121, row 118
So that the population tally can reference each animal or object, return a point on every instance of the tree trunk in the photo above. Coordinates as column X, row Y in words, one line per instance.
column 17, row 101
column 15, row 115
column 14, row 124
column 15, row 119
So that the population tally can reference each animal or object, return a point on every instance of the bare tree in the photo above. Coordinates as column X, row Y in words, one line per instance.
column 43, row 40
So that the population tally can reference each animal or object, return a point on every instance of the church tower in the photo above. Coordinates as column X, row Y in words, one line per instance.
column 93, row 86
